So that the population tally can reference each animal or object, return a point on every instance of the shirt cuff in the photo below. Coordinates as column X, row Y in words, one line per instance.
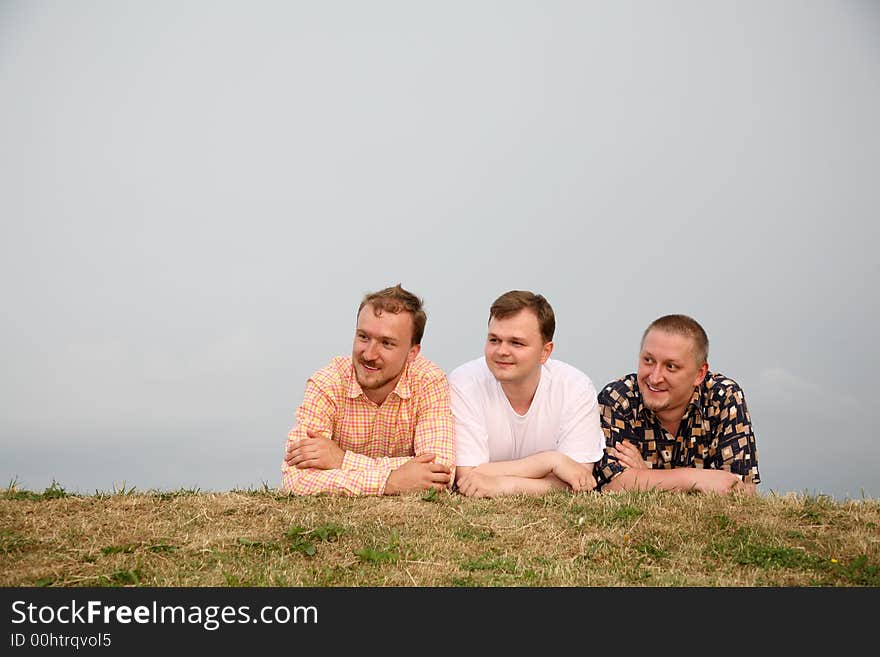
column 374, row 478
column 354, row 461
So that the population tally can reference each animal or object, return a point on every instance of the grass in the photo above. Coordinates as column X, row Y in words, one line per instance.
column 263, row 538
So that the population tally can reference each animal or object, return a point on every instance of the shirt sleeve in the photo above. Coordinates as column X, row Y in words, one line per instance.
column 471, row 435
column 433, row 432
column 581, row 436
column 736, row 451
column 615, row 427
column 354, row 461
column 317, row 414
column 434, row 427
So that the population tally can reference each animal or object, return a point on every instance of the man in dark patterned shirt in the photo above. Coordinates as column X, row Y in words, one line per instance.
column 674, row 425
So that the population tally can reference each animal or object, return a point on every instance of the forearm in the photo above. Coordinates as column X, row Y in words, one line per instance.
column 311, row 481
column 535, row 466
column 354, row 461
column 359, row 462
column 681, row 480
column 513, row 485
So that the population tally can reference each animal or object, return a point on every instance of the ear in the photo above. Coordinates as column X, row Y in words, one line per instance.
column 413, row 352
column 546, row 351
column 701, row 374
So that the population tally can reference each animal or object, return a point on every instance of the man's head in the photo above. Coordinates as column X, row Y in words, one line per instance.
column 672, row 362
column 520, row 340
column 390, row 325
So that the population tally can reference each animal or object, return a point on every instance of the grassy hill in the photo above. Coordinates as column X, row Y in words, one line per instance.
column 260, row 538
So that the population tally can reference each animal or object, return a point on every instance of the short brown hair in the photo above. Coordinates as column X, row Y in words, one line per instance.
column 686, row 326
column 396, row 300
column 510, row 303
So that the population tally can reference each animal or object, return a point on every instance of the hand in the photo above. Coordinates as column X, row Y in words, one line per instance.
column 477, row 484
column 578, row 476
column 740, row 486
column 745, row 487
column 316, row 451
column 713, row 481
column 419, row 473
column 628, row 455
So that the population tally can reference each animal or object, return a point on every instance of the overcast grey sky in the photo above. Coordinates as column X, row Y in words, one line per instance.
column 195, row 195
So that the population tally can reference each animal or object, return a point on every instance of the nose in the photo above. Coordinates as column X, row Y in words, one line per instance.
column 370, row 351
column 656, row 374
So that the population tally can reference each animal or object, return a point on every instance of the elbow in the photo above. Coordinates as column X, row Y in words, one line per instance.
column 288, row 485
column 292, row 482
column 286, row 479
column 613, row 486
column 620, row 481
column 738, row 486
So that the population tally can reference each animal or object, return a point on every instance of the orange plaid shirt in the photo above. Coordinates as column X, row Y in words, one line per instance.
column 414, row 419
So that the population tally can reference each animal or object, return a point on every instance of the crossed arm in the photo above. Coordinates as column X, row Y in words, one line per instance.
column 638, row 476
column 533, row 475
column 317, row 463
column 320, row 458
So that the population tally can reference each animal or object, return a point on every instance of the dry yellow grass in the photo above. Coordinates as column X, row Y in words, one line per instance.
column 245, row 538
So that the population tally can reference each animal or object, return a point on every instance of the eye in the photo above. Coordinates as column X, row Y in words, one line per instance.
column 672, row 367
column 646, row 360
column 516, row 343
column 387, row 344
column 493, row 340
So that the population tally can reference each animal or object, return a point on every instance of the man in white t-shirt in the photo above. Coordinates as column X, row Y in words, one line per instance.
column 524, row 424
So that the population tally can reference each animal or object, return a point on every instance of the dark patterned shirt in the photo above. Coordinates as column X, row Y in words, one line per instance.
column 715, row 431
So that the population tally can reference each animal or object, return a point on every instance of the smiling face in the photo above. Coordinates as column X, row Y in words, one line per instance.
column 382, row 348
column 668, row 373
column 515, row 349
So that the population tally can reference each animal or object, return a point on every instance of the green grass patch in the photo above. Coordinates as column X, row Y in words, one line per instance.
column 626, row 513
column 747, row 548
column 814, row 510
column 388, row 554
column 491, row 562
column 772, row 556
column 650, row 550
column 167, row 496
column 298, row 541
column 120, row 549
column 372, row 555
column 163, row 547
column 859, row 572
column 329, row 532
column 122, row 577
column 52, row 492
column 720, row 521
column 304, row 540
column 595, row 548
column 262, row 546
column 471, row 533
column 12, row 542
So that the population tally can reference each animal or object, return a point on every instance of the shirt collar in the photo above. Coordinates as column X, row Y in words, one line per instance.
column 354, row 388
column 402, row 389
column 693, row 407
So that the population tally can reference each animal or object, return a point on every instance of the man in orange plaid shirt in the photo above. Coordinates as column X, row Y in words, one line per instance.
column 378, row 422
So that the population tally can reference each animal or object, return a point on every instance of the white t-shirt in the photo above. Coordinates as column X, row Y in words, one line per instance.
column 564, row 416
